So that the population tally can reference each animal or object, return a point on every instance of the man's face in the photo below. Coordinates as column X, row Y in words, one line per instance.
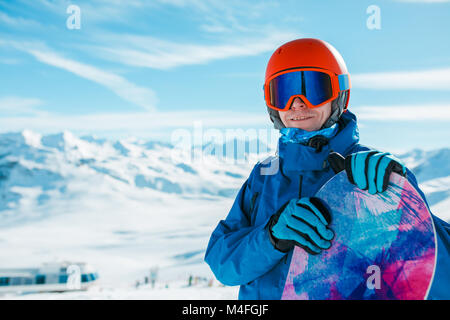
column 300, row 116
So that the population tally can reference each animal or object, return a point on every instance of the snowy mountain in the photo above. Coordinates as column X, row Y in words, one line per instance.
column 127, row 205
column 432, row 171
column 36, row 169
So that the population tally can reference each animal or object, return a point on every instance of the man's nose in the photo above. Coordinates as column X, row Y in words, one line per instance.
column 298, row 104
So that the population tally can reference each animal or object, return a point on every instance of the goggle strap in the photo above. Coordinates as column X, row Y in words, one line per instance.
column 344, row 83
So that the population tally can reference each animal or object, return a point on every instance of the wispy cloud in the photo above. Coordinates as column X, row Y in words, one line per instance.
column 404, row 113
column 143, row 97
column 240, row 28
column 231, row 29
column 151, row 52
column 17, row 21
column 218, row 16
column 15, row 106
column 214, row 16
column 436, row 79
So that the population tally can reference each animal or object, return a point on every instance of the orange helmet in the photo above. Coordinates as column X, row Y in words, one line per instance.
column 316, row 57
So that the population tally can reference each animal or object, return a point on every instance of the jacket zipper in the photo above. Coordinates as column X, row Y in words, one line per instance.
column 300, row 187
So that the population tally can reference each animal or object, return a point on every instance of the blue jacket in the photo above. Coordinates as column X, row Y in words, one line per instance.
column 240, row 252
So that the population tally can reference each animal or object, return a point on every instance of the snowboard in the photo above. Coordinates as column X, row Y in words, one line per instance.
column 384, row 246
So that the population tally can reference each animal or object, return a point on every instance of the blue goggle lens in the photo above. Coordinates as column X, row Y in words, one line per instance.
column 314, row 85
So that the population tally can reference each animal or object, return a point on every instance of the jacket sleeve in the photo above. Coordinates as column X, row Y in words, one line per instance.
column 239, row 252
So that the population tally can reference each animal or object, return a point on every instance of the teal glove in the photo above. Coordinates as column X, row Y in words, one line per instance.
column 302, row 222
column 370, row 170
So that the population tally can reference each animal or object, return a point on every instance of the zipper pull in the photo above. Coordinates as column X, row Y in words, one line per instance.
column 300, row 187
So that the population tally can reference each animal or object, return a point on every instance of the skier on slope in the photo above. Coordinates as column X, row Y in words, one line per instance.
column 307, row 91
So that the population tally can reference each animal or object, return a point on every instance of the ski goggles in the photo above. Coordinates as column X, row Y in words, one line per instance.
column 314, row 86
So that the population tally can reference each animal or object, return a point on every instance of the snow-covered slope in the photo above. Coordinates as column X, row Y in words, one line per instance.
column 428, row 165
column 432, row 170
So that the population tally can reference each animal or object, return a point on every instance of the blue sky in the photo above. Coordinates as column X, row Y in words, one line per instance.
column 147, row 68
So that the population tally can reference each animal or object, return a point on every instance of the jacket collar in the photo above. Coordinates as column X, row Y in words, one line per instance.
column 299, row 157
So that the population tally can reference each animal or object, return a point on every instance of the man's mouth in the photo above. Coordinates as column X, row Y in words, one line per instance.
column 300, row 118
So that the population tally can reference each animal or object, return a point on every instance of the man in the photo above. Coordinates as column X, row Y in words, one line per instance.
column 307, row 90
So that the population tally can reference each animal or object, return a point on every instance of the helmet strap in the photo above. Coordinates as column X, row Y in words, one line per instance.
column 275, row 118
column 337, row 108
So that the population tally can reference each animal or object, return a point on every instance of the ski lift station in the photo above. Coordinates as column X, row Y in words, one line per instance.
column 50, row 277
